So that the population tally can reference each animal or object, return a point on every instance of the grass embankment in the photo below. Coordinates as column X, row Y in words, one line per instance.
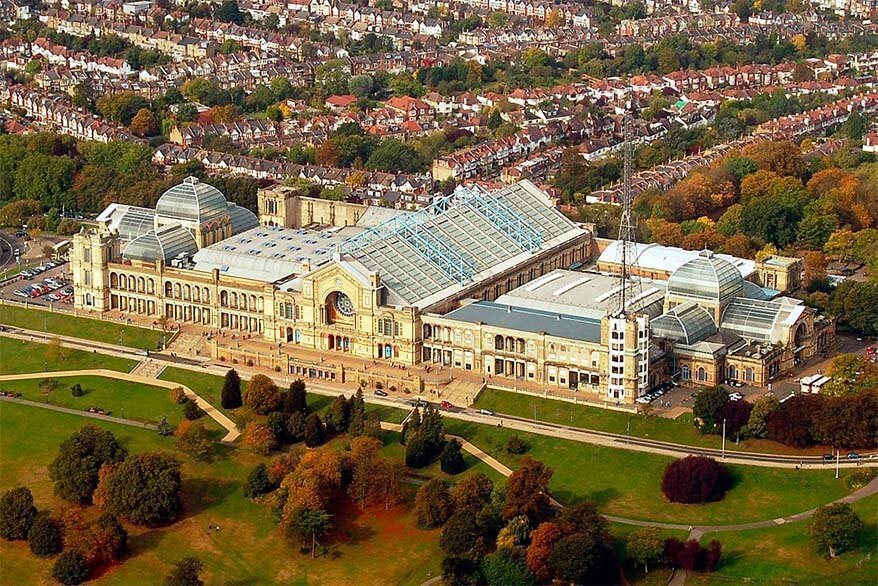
column 81, row 327
column 628, row 483
column 17, row 356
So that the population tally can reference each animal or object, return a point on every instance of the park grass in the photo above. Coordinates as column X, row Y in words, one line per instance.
column 371, row 546
column 18, row 356
column 628, row 484
column 679, row 430
column 81, row 327
column 786, row 554
column 120, row 398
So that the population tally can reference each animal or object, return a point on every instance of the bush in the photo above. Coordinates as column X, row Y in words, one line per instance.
column 258, row 482
column 691, row 556
column 76, row 390
column 695, row 479
column 178, row 395
column 45, row 538
column 191, row 411
column 515, row 445
column 17, row 513
column 70, row 568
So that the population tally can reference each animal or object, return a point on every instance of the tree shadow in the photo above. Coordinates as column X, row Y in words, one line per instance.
column 201, row 494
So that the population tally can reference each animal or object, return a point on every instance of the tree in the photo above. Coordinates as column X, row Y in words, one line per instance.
column 121, row 107
column 258, row 482
column 472, row 493
column 228, row 11
column 526, row 491
column 461, row 536
column 70, row 568
column 757, row 424
column 791, row 423
column 433, row 504
column 262, row 395
column 506, row 567
column 851, row 374
column 315, row 433
column 337, row 417
column 451, row 459
column 736, row 414
column 395, row 156
column 80, row 457
column 259, row 438
column 708, row 407
column 645, row 546
column 145, row 489
column 187, row 572
column 295, row 401
column 17, row 513
column 542, row 542
column 834, row 528
column 191, row 410
column 194, row 440
column 311, row 524
column 45, row 538
column 854, row 126
column 111, row 539
column 357, row 419
column 695, row 479
column 296, row 427
column 144, row 123
column 576, row 557
column 231, row 395
column 360, row 86
column 277, row 424
column 584, row 518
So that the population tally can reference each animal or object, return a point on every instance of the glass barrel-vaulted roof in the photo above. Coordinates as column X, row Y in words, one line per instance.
column 707, row 277
column 688, row 323
column 165, row 245
column 242, row 219
column 192, row 201
column 135, row 222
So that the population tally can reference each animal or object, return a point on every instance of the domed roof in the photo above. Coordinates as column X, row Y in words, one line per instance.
column 707, row 277
column 192, row 201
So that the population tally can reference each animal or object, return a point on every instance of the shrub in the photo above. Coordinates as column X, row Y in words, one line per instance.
column 76, row 390
column 516, row 445
column 45, row 538
column 191, row 411
column 258, row 482
column 178, row 395
column 70, row 568
column 695, row 479
column 379, row 385
column 17, row 513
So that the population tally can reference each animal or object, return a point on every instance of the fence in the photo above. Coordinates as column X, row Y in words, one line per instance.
column 575, row 400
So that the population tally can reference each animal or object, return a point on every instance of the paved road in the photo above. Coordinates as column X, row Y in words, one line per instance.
column 589, row 436
column 81, row 413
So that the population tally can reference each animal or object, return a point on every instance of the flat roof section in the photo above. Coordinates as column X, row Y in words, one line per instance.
column 525, row 319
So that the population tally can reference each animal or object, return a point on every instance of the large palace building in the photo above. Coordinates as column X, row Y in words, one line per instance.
column 490, row 282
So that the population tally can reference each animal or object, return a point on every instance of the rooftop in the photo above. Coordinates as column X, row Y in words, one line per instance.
column 529, row 320
column 668, row 258
column 192, row 201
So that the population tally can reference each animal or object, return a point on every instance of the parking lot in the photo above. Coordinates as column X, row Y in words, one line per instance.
column 44, row 284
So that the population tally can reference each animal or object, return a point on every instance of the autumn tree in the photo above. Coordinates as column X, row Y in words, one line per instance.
column 472, row 493
column 144, row 123
column 258, row 437
column 542, row 541
column 262, row 395
column 433, row 504
column 17, row 513
column 575, row 558
column 193, row 439
column 791, row 423
column 186, row 572
column 80, row 457
column 757, row 424
column 645, row 546
column 231, row 394
column 526, row 491
column 834, row 528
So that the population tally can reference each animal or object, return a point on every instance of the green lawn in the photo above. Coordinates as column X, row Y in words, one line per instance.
column 126, row 399
column 381, row 545
column 81, row 327
column 18, row 356
column 678, row 430
column 628, row 484
column 786, row 553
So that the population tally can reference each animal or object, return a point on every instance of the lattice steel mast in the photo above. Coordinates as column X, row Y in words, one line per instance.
column 629, row 288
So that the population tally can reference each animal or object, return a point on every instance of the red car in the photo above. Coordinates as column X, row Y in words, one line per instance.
column 446, row 405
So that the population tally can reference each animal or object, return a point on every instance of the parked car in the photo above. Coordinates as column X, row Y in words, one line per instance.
column 53, row 297
column 828, row 457
column 853, row 456
column 380, row 393
column 446, row 405
column 486, row 412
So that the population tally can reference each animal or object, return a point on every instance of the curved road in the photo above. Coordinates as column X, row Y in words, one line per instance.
column 595, row 437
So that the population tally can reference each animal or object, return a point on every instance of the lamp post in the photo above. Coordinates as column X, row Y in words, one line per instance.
column 837, row 461
column 724, row 438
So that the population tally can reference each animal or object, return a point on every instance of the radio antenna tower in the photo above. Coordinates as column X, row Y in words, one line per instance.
column 629, row 288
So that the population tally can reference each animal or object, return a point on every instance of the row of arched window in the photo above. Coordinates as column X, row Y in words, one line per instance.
column 124, row 282
column 243, row 301
column 187, row 292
